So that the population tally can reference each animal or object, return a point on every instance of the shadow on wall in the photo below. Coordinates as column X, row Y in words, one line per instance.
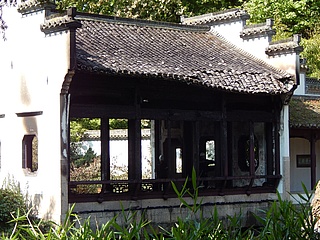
column 50, row 211
column 24, row 92
column 34, row 204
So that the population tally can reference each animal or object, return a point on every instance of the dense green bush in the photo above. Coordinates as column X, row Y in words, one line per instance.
column 11, row 201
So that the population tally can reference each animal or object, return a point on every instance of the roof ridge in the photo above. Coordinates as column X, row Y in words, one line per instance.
column 285, row 45
column 35, row 5
column 139, row 22
column 226, row 15
column 258, row 29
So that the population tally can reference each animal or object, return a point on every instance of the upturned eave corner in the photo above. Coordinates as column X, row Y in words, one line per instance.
column 61, row 22
column 35, row 5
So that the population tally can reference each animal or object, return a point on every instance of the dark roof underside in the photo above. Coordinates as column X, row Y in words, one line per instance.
column 304, row 113
column 176, row 53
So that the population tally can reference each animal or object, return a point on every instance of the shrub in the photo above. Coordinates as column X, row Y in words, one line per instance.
column 11, row 201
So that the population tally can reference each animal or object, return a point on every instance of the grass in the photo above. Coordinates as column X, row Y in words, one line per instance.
column 283, row 220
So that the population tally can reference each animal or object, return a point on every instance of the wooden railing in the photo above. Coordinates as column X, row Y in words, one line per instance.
column 162, row 188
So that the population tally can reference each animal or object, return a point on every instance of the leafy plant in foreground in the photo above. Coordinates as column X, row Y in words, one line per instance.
column 11, row 200
column 286, row 220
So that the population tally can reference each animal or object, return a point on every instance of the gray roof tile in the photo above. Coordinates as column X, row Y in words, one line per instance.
column 190, row 54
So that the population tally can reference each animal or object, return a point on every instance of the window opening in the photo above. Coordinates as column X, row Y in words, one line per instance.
column 244, row 153
column 30, row 152
column 207, row 164
column 178, row 158
column 210, row 152
column 148, row 148
column 85, row 154
column 118, row 153
column 303, row 160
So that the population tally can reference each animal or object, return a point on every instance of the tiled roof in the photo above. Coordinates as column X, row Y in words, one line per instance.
column 304, row 112
column 191, row 54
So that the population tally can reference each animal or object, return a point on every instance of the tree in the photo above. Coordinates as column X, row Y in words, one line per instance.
column 161, row 10
column 290, row 16
column 312, row 53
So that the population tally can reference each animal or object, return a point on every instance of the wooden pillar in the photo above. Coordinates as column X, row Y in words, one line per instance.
column 277, row 145
column 134, row 154
column 313, row 161
column 195, row 143
column 224, row 140
column 134, row 147
column 134, row 140
column 188, row 149
column 105, row 151
column 224, row 146
column 168, row 158
column 157, row 148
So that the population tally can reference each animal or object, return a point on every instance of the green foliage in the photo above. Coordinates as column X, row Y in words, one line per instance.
column 118, row 123
column 79, row 125
column 282, row 220
column 11, row 200
column 312, row 53
column 78, row 159
column 290, row 16
column 285, row 220
column 196, row 226
column 161, row 10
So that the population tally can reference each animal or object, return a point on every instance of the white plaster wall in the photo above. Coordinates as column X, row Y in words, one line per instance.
column 256, row 46
column 301, row 89
column 286, row 62
column 300, row 146
column 34, row 67
column 230, row 31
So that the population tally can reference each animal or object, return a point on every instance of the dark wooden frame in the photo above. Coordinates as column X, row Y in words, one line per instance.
column 135, row 99
column 27, row 152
